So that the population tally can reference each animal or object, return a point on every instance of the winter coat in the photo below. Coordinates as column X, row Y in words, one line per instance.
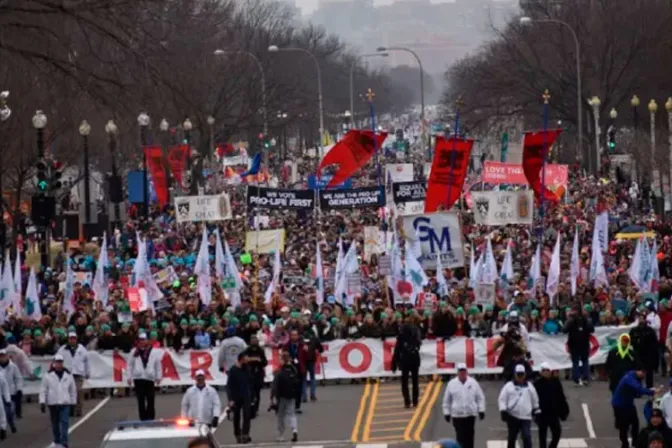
column 58, row 391
column 552, row 400
column 201, row 404
column 645, row 342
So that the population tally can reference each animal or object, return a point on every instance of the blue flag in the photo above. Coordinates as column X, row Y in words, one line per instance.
column 255, row 167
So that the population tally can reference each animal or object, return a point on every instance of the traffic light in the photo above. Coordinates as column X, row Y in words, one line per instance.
column 264, row 141
column 42, row 176
column 611, row 139
column 56, row 175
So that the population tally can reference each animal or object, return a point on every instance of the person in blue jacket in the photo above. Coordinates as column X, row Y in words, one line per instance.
column 623, row 402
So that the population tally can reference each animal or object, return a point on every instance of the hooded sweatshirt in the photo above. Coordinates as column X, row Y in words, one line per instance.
column 621, row 359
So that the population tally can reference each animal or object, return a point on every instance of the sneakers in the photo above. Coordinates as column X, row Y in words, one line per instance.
column 280, row 439
column 295, row 436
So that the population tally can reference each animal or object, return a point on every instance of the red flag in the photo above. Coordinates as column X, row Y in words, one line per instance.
column 154, row 156
column 177, row 159
column 449, row 170
column 351, row 153
column 533, row 160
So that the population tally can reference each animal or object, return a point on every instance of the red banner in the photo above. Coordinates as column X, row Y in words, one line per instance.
column 535, row 149
column 177, row 159
column 511, row 173
column 154, row 157
column 351, row 153
column 449, row 170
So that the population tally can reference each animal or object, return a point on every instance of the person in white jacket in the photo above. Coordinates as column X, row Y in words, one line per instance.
column 59, row 394
column 463, row 400
column 4, row 406
column 201, row 402
column 666, row 404
column 146, row 373
column 15, row 382
column 518, row 405
column 76, row 360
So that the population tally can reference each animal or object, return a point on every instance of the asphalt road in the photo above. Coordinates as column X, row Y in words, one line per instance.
column 346, row 415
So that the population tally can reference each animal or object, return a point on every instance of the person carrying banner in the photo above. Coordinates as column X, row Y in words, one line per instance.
column 463, row 400
column 407, row 357
column 146, row 373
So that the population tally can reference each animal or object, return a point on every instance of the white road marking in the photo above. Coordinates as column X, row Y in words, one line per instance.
column 589, row 421
column 88, row 415
column 564, row 443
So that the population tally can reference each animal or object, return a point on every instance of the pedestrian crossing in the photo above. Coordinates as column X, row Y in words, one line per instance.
column 564, row 443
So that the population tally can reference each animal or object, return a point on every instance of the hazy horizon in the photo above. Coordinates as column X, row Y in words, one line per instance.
column 309, row 6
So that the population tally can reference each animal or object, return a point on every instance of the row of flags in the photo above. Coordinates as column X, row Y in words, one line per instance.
column 644, row 271
column 11, row 293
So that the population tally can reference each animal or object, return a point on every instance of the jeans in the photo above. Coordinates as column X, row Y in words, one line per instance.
column 515, row 426
column 552, row 423
column 9, row 414
column 584, row 371
column 285, row 415
column 60, row 419
column 310, row 371
column 16, row 399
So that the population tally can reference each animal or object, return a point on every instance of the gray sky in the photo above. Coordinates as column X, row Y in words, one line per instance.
column 308, row 6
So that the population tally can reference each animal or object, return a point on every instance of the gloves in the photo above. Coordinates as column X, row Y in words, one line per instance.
column 221, row 369
column 215, row 422
column 43, row 408
column 447, row 417
column 481, row 415
column 505, row 416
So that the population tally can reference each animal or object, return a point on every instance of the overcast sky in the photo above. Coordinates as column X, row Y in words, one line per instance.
column 308, row 6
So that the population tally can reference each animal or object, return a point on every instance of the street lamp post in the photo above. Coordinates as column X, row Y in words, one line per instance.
column 115, row 192
column 595, row 103
column 655, row 184
column 84, row 131
column 211, row 127
column 5, row 112
column 262, row 75
column 143, row 121
column 39, row 123
column 634, row 102
column 282, row 117
column 276, row 49
column 352, row 82
column 579, row 93
column 668, row 108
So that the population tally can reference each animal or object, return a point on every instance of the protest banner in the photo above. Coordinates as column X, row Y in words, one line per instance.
column 355, row 198
column 320, row 184
column 511, row 173
column 399, row 172
column 266, row 241
column 167, row 275
column 440, row 235
column 277, row 198
column 409, row 197
column 498, row 208
column 376, row 241
column 202, row 208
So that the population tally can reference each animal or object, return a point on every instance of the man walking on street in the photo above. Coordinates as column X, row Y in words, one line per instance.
column 283, row 393
column 146, row 373
column 256, row 364
column 578, row 329
column 553, row 405
column 518, row 405
column 76, row 360
column 58, row 393
column 15, row 383
column 462, row 402
column 623, row 402
column 298, row 353
column 238, row 390
column 201, row 402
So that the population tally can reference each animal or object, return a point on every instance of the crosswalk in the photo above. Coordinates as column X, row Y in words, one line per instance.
column 564, row 443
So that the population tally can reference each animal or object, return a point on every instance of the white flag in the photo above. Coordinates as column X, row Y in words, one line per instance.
column 69, row 293
column 319, row 276
column 18, row 284
column 220, row 260
column 100, row 289
column 232, row 271
column 535, row 269
column 553, row 279
column 636, row 264
column 397, row 271
column 415, row 274
column 646, row 267
column 601, row 230
column 6, row 288
column 33, row 308
column 350, row 266
column 473, row 268
column 440, row 279
column 655, row 272
column 339, row 265
column 507, row 266
column 575, row 266
column 597, row 272
column 202, row 270
column 488, row 271
column 268, row 296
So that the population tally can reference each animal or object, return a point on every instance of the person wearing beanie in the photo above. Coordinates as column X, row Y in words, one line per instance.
column 463, row 401
column 201, row 402
column 578, row 328
column 657, row 425
column 655, row 440
column 553, row 406
column 645, row 342
column 256, row 366
column 76, row 360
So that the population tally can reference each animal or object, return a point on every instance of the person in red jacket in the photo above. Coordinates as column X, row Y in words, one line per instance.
column 298, row 352
column 665, row 314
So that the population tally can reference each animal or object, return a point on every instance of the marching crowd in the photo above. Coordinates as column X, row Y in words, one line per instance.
column 294, row 321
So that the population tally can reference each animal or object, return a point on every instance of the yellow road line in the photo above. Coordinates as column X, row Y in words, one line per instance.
column 385, row 422
column 385, row 430
column 360, row 413
column 372, row 406
column 407, row 412
column 387, row 438
column 428, row 411
column 416, row 414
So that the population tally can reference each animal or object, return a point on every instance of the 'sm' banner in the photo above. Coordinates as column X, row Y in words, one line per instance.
column 440, row 236
column 449, row 170
column 341, row 359
column 498, row 208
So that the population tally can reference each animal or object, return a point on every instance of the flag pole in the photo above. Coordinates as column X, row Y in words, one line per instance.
column 546, row 96
column 458, row 104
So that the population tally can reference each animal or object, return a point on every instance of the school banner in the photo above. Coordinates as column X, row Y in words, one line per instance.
column 512, row 173
column 498, row 208
column 277, row 198
column 409, row 197
column 341, row 359
column 440, row 236
column 203, row 208
column 265, row 241
column 355, row 198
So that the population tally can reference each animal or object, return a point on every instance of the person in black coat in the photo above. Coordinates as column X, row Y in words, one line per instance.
column 553, row 405
column 517, row 357
column 238, row 388
column 645, row 342
column 656, row 424
column 578, row 329
column 407, row 358
column 620, row 360
column 256, row 365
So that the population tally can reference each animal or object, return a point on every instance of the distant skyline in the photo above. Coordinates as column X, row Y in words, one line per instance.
column 309, row 6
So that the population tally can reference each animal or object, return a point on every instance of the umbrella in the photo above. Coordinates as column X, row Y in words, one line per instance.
column 634, row 233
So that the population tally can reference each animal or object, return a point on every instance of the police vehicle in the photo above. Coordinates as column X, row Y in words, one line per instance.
column 175, row 433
